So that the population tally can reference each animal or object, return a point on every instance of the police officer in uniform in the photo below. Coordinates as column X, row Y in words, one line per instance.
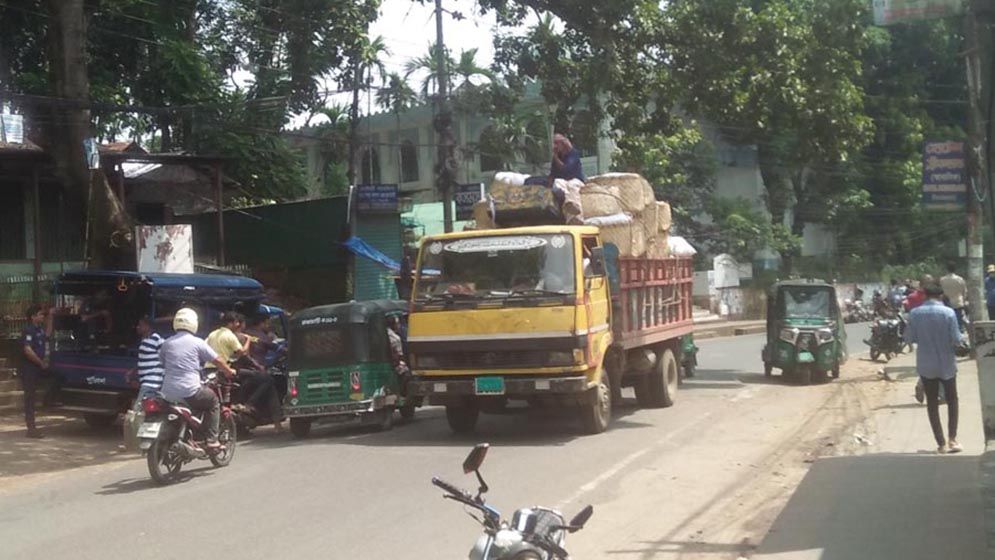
column 34, row 338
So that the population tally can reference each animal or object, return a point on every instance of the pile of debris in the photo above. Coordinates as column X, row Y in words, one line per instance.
column 621, row 205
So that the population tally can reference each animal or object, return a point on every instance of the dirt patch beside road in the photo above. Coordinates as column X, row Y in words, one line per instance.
column 69, row 444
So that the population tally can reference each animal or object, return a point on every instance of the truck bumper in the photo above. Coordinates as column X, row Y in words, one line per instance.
column 443, row 390
column 338, row 409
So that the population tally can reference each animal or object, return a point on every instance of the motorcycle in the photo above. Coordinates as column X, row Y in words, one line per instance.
column 172, row 435
column 887, row 337
column 247, row 419
column 535, row 533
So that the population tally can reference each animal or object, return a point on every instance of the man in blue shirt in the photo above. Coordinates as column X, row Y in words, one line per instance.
column 32, row 365
column 933, row 327
column 566, row 160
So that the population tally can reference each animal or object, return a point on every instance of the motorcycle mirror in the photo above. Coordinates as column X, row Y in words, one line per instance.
column 579, row 520
column 475, row 458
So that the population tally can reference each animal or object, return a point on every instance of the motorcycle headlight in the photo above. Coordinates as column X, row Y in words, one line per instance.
column 824, row 335
column 789, row 335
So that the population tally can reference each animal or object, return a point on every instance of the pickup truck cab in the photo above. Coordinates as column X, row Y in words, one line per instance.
column 545, row 314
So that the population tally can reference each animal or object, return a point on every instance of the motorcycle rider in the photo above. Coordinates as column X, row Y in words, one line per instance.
column 183, row 355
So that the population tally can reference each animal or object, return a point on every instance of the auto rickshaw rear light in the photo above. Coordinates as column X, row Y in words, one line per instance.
column 354, row 378
column 292, row 388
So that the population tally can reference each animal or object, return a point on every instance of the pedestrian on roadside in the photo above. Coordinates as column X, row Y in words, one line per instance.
column 955, row 290
column 933, row 328
column 990, row 291
column 149, row 364
column 918, row 297
column 33, row 364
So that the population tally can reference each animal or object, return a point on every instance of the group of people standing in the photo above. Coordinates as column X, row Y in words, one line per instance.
column 172, row 367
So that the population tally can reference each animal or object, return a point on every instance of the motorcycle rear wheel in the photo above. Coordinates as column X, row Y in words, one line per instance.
column 228, row 437
column 164, row 465
column 874, row 354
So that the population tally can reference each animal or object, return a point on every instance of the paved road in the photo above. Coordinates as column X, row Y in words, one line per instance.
column 703, row 479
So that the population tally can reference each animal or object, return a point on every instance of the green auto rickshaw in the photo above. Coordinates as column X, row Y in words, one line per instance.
column 340, row 366
column 806, row 337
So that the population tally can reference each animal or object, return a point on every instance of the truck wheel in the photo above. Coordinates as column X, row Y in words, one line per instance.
column 99, row 421
column 462, row 419
column 300, row 427
column 408, row 410
column 659, row 386
column 596, row 414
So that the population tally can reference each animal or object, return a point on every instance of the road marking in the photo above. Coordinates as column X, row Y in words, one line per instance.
column 628, row 460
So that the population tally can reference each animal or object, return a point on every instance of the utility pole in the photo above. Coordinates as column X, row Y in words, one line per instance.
column 445, row 167
column 977, row 179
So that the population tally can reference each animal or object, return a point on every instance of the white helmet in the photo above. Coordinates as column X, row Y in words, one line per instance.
column 185, row 320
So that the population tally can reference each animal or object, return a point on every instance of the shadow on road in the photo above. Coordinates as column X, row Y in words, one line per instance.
column 132, row 485
column 69, row 444
column 883, row 506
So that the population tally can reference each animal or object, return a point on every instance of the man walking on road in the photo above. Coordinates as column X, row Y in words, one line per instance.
column 955, row 289
column 32, row 362
column 933, row 327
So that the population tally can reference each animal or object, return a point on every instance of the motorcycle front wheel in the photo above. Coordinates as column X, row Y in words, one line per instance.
column 227, row 437
column 164, row 464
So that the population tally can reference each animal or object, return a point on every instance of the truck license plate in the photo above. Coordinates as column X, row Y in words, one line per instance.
column 489, row 385
column 149, row 430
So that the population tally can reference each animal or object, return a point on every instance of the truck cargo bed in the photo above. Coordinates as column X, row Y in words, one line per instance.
column 653, row 301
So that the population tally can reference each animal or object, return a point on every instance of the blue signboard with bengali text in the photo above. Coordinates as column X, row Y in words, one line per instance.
column 376, row 199
column 944, row 176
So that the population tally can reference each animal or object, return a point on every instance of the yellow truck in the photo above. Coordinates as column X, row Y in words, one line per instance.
column 545, row 314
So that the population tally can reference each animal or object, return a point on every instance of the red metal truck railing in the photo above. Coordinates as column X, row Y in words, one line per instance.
column 655, row 299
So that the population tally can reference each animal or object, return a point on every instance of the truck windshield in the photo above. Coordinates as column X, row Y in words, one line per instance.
column 500, row 266
column 807, row 303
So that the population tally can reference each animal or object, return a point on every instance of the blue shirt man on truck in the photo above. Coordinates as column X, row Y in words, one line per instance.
column 566, row 160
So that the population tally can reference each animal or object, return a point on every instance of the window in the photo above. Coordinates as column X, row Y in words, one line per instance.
column 370, row 167
column 409, row 162
column 584, row 133
column 12, row 241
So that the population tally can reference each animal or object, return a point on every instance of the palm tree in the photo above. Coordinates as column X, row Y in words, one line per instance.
column 366, row 62
column 396, row 96
column 428, row 63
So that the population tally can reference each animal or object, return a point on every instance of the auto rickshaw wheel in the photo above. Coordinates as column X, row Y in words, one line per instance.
column 768, row 369
column 408, row 410
column 462, row 419
column 836, row 370
column 300, row 427
column 384, row 419
column 804, row 375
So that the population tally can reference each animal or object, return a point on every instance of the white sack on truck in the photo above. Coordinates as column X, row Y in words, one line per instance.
column 663, row 215
column 510, row 178
column 572, row 207
column 597, row 200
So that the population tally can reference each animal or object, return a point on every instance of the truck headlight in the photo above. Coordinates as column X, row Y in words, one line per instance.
column 789, row 335
column 825, row 335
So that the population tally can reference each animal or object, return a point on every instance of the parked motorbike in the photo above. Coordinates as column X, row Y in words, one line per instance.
column 535, row 533
column 887, row 337
column 172, row 435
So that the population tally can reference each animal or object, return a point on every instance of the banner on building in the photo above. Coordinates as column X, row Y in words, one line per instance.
column 165, row 248
column 12, row 129
column 376, row 199
column 944, row 176
column 465, row 197
column 891, row 12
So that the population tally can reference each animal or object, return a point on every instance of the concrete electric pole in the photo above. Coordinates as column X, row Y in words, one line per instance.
column 445, row 167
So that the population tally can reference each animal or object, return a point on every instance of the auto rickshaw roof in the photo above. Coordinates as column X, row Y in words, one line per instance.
column 801, row 284
column 352, row 312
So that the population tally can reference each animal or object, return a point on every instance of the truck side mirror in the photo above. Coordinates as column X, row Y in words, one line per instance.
column 597, row 266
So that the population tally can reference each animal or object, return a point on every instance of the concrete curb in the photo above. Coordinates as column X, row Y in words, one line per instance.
column 718, row 331
column 987, row 478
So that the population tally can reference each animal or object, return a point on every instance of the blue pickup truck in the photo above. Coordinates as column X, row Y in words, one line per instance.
column 94, row 343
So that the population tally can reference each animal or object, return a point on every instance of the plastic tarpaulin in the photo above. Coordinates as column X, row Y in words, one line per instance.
column 365, row 250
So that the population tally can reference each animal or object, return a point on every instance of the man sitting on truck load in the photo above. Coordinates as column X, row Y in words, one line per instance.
column 566, row 161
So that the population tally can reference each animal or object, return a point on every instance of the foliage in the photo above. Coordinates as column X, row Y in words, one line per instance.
column 740, row 230
column 681, row 168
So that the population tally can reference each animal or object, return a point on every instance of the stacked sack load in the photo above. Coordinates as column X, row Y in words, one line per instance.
column 625, row 209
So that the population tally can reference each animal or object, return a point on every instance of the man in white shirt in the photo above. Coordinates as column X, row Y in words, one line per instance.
column 955, row 290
